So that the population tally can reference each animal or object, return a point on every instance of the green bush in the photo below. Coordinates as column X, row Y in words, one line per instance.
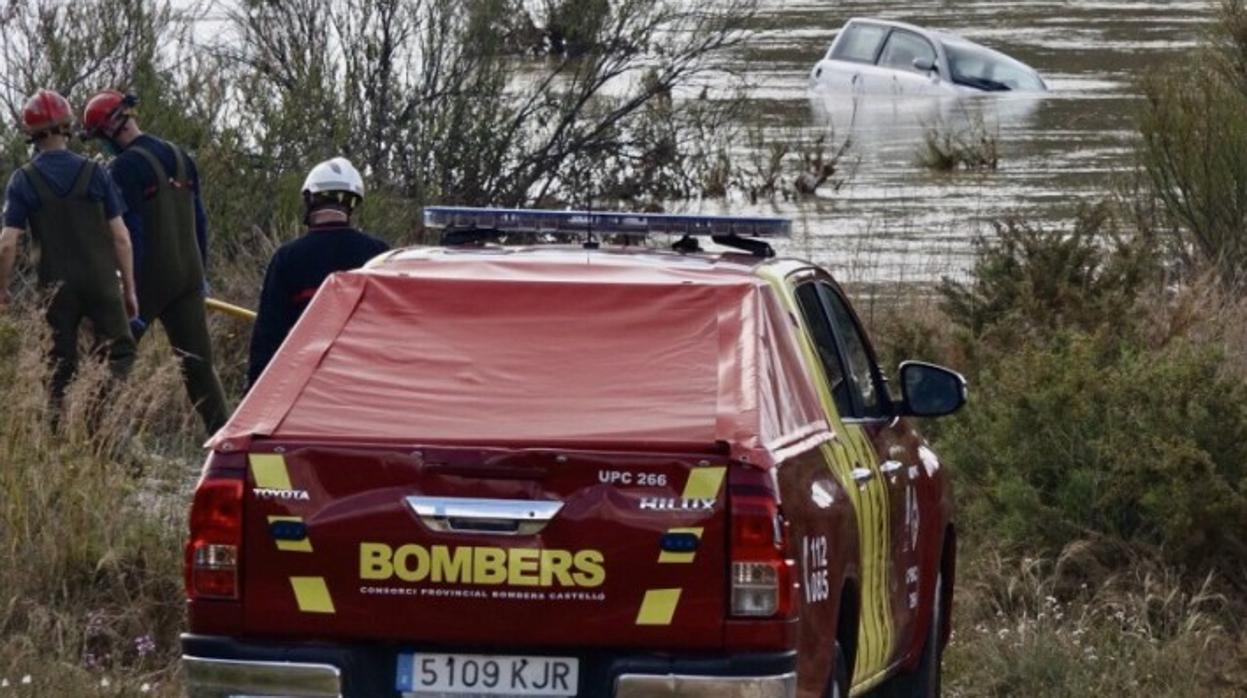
column 1081, row 438
column 1085, row 422
column 1028, row 281
column 1194, row 146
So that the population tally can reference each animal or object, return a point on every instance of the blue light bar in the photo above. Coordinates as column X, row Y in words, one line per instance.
column 509, row 220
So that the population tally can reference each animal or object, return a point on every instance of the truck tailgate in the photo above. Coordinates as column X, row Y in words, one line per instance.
column 464, row 547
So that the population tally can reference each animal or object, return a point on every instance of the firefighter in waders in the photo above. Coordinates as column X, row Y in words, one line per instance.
column 160, row 184
column 331, row 193
column 74, row 214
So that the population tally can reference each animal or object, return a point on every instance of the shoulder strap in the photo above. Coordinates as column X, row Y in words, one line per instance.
column 158, row 170
column 85, row 175
column 40, row 184
column 180, row 158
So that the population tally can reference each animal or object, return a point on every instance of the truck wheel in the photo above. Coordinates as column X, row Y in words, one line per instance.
column 839, row 687
column 923, row 681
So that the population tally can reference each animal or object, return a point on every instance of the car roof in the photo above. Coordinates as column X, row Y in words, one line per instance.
column 897, row 24
column 938, row 34
column 943, row 37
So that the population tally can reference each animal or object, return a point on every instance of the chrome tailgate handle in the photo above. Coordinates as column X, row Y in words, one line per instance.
column 496, row 516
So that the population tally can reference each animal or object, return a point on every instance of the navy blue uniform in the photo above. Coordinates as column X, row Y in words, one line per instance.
column 61, row 169
column 136, row 179
column 293, row 277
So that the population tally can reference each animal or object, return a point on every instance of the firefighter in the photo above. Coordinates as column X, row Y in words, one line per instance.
column 331, row 193
column 165, row 215
column 74, row 213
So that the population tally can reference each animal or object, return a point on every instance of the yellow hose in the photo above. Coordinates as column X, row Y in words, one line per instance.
column 230, row 309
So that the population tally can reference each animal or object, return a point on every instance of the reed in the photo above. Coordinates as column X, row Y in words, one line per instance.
column 91, row 521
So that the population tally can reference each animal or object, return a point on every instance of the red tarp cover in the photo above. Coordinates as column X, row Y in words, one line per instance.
column 538, row 355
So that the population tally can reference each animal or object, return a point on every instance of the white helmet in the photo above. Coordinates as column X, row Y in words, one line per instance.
column 333, row 182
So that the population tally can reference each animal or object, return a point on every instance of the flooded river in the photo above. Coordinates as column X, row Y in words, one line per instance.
column 895, row 220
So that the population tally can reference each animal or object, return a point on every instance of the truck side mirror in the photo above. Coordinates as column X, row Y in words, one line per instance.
column 930, row 391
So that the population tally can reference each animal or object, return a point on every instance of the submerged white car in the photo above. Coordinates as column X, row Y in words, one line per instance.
column 872, row 56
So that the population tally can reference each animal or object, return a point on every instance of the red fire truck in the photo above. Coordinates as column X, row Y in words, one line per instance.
column 594, row 465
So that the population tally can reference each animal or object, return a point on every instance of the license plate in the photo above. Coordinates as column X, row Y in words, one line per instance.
column 421, row 675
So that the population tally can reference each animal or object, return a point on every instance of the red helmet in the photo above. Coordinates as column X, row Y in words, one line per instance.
column 46, row 112
column 106, row 113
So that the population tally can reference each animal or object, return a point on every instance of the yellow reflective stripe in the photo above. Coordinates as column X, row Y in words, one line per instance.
column 670, row 557
column 876, row 632
column 269, row 471
column 704, row 483
column 840, row 458
column 291, row 546
column 878, row 527
column 658, row 607
column 312, row 594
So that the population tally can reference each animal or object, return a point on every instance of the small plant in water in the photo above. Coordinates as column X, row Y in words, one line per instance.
column 972, row 148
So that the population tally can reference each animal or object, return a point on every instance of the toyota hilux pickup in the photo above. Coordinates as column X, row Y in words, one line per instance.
column 613, row 467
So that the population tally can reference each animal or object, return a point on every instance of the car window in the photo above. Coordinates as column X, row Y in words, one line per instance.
column 819, row 324
column 859, row 43
column 903, row 48
column 863, row 374
column 987, row 70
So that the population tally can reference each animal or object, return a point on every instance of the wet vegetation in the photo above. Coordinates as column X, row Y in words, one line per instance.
column 1100, row 464
column 971, row 148
column 1194, row 132
column 1101, row 461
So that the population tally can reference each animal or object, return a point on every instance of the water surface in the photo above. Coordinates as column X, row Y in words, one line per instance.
column 894, row 220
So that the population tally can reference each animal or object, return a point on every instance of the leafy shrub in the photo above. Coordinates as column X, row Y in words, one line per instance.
column 1029, row 281
column 1098, row 410
column 1194, row 146
column 1083, row 438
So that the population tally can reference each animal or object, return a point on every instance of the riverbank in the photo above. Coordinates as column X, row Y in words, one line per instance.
column 1092, row 559
column 1100, row 462
column 1086, row 625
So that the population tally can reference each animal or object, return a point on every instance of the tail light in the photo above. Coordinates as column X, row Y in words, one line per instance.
column 763, row 584
column 212, row 551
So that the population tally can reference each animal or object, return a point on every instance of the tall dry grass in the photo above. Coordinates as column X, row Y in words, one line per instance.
column 1094, row 622
column 91, row 522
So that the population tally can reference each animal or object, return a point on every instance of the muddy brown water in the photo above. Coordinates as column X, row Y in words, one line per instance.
column 894, row 220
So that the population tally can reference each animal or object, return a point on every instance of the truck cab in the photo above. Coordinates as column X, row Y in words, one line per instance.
column 575, row 470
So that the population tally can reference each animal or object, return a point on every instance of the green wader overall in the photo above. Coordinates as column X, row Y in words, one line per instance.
column 172, row 285
column 77, row 262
